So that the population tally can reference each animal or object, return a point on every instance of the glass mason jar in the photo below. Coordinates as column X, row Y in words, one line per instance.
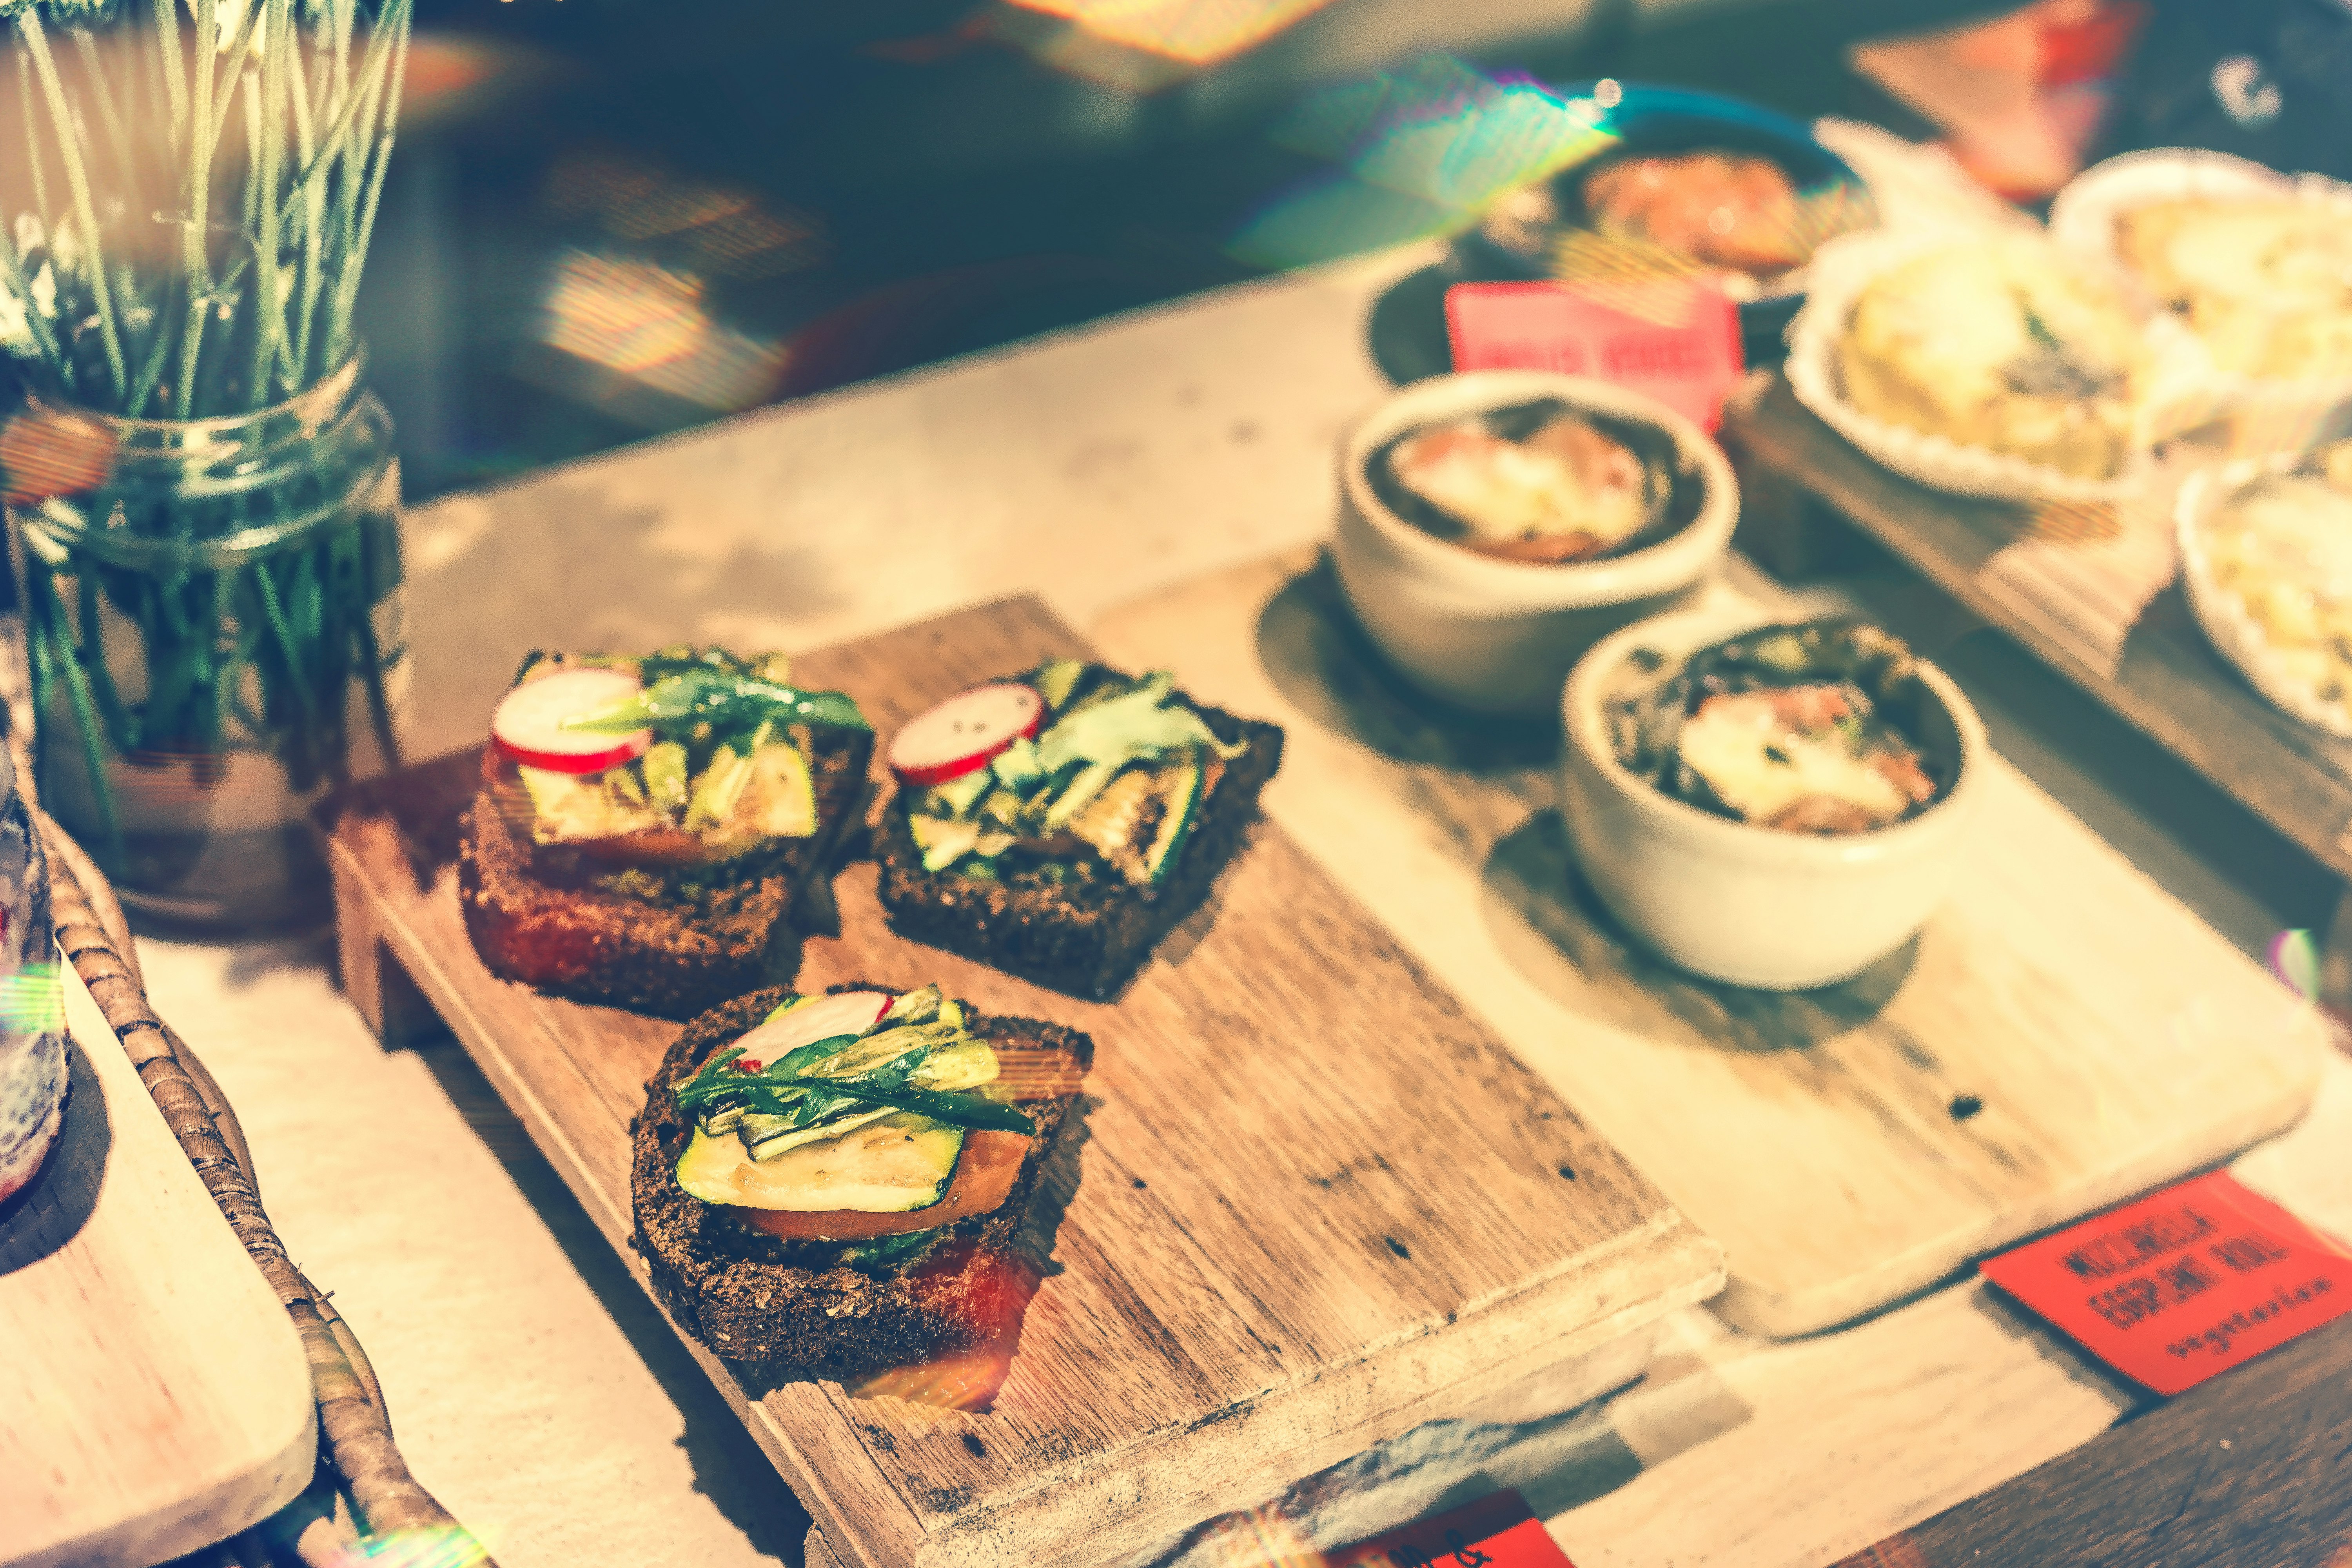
column 217, row 634
column 31, row 1006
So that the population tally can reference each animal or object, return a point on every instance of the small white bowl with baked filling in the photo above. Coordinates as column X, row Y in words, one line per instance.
column 1776, row 820
column 1494, row 525
column 1981, row 364
column 2251, row 267
column 2265, row 547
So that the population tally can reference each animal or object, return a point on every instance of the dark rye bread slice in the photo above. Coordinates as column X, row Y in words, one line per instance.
column 809, row 1309
column 1082, row 938
column 666, row 943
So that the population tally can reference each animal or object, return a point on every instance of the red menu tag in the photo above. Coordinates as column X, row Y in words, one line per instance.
column 1498, row 1531
column 1681, row 348
column 2184, row 1283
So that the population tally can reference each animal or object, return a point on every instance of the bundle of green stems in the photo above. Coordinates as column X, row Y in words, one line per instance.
column 186, row 221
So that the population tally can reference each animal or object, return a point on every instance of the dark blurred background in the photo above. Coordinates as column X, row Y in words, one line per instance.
column 614, row 217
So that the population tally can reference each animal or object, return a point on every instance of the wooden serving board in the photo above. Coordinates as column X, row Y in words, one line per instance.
column 2091, row 593
column 1316, row 1204
column 154, row 1398
column 2062, row 1036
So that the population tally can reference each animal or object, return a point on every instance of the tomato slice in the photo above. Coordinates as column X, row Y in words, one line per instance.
column 983, row 1177
column 986, row 1294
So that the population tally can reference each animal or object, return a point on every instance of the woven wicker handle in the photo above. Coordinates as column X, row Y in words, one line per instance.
column 377, row 1494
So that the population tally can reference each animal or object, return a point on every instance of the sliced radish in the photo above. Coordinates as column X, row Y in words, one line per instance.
column 528, row 727
column 959, row 735
column 847, row 1014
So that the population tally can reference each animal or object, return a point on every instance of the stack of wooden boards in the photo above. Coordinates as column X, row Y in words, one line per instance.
column 1312, row 1202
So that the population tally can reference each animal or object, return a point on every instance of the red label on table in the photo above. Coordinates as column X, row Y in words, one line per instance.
column 1681, row 347
column 1498, row 1531
column 2184, row 1283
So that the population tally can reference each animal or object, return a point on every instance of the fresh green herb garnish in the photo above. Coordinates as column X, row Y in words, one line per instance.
column 725, row 699
column 2038, row 328
column 956, row 1110
column 844, row 1073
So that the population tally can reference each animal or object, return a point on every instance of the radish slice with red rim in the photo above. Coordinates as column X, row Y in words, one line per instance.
column 528, row 727
column 848, row 1013
column 961, row 734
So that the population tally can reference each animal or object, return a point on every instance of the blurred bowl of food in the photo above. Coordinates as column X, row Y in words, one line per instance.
column 2265, row 547
column 1685, row 184
column 1981, row 364
column 1774, row 806
column 1494, row 525
column 2252, row 267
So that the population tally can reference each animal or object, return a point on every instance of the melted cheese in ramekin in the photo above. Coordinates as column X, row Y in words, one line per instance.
column 1760, row 763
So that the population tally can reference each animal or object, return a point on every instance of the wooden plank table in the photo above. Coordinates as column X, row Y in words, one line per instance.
column 154, row 1398
column 2076, row 594
column 1319, row 1205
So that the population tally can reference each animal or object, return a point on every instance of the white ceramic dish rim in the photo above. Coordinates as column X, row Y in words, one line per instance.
column 1842, row 270
column 1580, row 715
column 1671, row 563
column 2083, row 222
column 2228, row 626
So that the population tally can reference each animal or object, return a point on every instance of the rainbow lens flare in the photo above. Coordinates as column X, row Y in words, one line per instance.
column 1420, row 152
column 2293, row 957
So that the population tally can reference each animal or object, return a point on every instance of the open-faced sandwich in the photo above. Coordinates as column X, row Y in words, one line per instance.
column 645, row 825
column 833, row 1186
column 1057, row 824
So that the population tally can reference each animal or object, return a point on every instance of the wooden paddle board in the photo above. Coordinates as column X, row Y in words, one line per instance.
column 2063, row 1034
column 154, row 1398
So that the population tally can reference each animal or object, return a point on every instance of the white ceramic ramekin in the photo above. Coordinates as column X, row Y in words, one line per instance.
column 1754, row 906
column 1499, row 636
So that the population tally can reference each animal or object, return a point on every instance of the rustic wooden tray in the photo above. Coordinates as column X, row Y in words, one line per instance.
column 2091, row 593
column 154, row 1398
column 1318, row 1203
column 2062, row 1036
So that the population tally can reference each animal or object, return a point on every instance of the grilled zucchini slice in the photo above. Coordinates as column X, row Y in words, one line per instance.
column 897, row 1161
column 1141, row 820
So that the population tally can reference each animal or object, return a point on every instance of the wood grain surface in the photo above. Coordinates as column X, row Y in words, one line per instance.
column 2251, row 1470
column 2063, row 1034
column 1317, row 1205
column 153, row 1398
column 2097, row 609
